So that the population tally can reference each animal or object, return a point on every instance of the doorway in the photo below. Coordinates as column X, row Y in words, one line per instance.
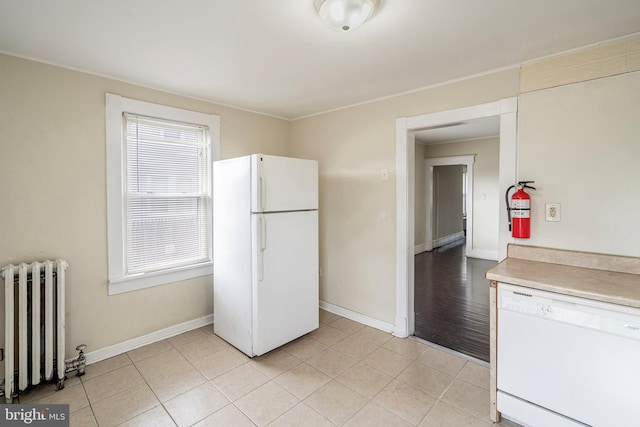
column 451, row 294
column 429, row 194
column 406, row 128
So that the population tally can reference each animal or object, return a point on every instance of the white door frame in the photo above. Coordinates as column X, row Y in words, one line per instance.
column 430, row 163
column 506, row 110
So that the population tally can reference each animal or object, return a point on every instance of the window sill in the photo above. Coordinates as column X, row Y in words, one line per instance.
column 120, row 285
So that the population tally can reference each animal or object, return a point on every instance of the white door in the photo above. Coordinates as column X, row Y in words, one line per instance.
column 285, row 286
column 284, row 184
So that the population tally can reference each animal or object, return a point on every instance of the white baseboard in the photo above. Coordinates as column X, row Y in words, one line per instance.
column 448, row 239
column 132, row 344
column 401, row 329
column 483, row 254
column 473, row 253
column 357, row 317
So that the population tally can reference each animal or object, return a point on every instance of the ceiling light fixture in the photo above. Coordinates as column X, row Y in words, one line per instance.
column 345, row 15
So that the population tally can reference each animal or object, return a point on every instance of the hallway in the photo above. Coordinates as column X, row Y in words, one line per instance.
column 452, row 300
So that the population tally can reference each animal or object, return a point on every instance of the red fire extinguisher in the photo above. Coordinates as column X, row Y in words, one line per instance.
column 519, row 210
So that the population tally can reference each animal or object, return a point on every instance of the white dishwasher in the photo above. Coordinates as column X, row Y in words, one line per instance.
column 566, row 361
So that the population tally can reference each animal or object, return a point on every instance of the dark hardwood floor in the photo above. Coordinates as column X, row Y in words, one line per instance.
column 452, row 300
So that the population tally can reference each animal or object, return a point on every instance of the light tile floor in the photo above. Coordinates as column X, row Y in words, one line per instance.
column 344, row 373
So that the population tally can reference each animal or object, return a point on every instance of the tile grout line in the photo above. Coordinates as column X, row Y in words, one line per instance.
column 416, row 360
column 152, row 391
column 361, row 360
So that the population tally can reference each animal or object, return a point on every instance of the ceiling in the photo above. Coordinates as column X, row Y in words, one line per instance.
column 276, row 57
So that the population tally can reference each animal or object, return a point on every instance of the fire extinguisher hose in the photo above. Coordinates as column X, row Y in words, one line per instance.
column 506, row 199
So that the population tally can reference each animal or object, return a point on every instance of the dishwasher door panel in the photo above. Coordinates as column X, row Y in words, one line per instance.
column 590, row 376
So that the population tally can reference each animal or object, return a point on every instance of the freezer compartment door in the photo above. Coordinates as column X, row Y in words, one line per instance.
column 283, row 184
column 285, row 285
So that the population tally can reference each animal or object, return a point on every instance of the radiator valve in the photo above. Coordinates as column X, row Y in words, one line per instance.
column 79, row 363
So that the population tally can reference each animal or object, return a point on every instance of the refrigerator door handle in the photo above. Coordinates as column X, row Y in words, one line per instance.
column 263, row 246
column 263, row 193
column 263, row 234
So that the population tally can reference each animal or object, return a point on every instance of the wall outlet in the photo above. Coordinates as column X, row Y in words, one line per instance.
column 552, row 212
column 384, row 174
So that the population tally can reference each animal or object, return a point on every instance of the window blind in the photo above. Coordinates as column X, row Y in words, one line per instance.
column 166, row 195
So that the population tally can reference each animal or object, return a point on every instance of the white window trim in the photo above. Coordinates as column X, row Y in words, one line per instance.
column 115, row 106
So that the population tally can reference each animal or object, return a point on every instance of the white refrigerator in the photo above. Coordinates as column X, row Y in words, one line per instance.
column 265, row 251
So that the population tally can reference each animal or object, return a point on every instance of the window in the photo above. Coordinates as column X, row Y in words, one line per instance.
column 158, row 193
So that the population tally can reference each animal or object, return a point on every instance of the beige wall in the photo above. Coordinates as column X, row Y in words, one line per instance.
column 53, row 202
column 447, row 195
column 357, row 215
column 357, row 209
column 52, row 121
column 485, row 182
column 578, row 139
column 580, row 143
